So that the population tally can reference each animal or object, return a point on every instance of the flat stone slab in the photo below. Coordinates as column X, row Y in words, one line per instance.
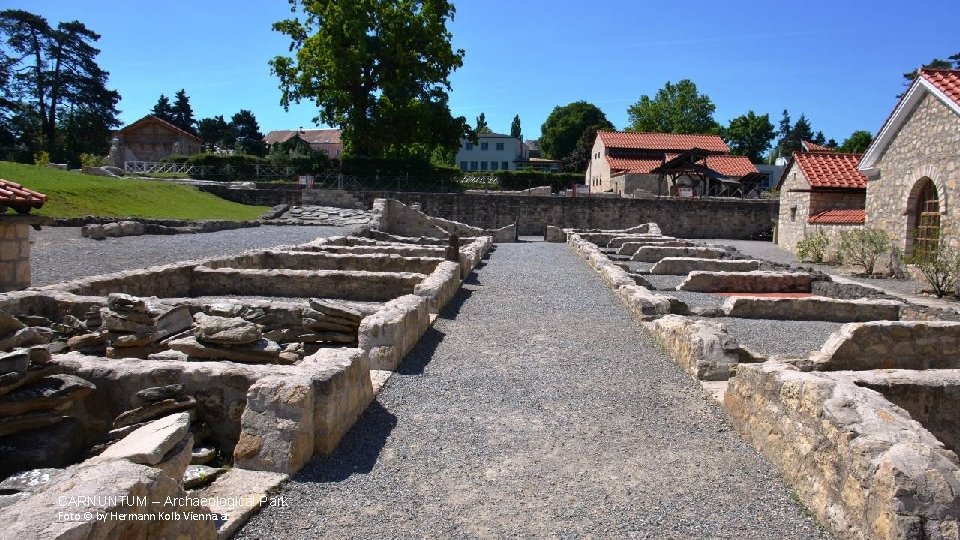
column 746, row 282
column 891, row 345
column 237, row 495
column 655, row 253
column 685, row 265
column 813, row 308
column 148, row 444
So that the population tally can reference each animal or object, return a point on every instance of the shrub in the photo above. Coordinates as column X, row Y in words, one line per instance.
column 41, row 158
column 813, row 248
column 91, row 160
column 863, row 247
column 940, row 266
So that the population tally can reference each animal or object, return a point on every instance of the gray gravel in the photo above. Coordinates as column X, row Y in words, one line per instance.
column 536, row 407
column 795, row 338
column 61, row 254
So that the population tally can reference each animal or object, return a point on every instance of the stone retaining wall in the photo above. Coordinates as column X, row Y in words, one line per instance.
column 352, row 285
column 14, row 256
column 704, row 349
column 655, row 253
column 891, row 345
column 746, row 282
column 815, row 308
column 685, row 265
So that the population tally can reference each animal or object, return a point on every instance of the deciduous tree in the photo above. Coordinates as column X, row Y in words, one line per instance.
column 749, row 135
column 677, row 108
column 482, row 126
column 246, row 130
column 578, row 160
column 566, row 124
column 371, row 63
column 857, row 142
column 215, row 132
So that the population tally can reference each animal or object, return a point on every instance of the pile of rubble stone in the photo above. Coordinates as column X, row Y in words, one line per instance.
column 233, row 339
column 321, row 215
column 135, row 327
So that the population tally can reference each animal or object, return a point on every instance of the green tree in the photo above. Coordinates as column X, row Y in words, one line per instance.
column 791, row 137
column 368, row 64
column 246, row 131
column 482, row 126
column 515, row 130
column 566, row 124
column 183, row 112
column 952, row 62
column 677, row 108
column 163, row 109
column 215, row 132
column 857, row 142
column 50, row 71
column 578, row 160
column 749, row 135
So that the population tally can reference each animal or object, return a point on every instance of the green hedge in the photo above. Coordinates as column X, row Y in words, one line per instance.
column 520, row 180
column 392, row 167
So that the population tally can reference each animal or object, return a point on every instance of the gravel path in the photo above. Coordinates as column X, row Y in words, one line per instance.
column 536, row 407
column 795, row 338
column 61, row 254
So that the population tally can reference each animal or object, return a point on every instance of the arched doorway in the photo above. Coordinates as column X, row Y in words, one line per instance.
column 924, row 218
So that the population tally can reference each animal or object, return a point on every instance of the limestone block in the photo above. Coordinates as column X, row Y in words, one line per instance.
column 355, row 285
column 685, row 265
column 238, row 494
column 814, row 308
column 630, row 248
column 862, row 465
column 342, row 390
column 50, row 392
column 655, row 253
column 644, row 304
column 746, row 282
column 891, row 345
column 704, row 349
column 440, row 286
column 276, row 429
column 555, row 234
column 149, row 444
column 111, row 487
column 387, row 335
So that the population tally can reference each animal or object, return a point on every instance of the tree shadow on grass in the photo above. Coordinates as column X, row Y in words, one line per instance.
column 357, row 452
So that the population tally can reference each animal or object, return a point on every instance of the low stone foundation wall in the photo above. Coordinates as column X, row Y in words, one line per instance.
column 891, row 345
column 703, row 349
column 309, row 260
column 388, row 335
column 685, row 265
column 814, row 308
column 746, row 282
column 354, row 285
column 655, row 253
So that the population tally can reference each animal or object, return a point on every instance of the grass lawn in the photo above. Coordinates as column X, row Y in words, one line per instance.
column 72, row 194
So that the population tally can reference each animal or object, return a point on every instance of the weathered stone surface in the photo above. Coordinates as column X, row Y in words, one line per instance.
column 440, row 286
column 263, row 351
column 16, row 361
column 25, row 337
column 891, row 345
column 858, row 461
column 153, row 410
column 58, row 445
column 655, row 253
column 50, row 392
column 390, row 333
column 30, row 421
column 555, row 234
column 342, row 390
column 176, row 461
column 746, row 282
column 336, row 310
column 197, row 476
column 628, row 249
column 814, row 308
column 226, row 331
column 703, row 349
column 276, row 426
column 32, row 480
column 160, row 393
column 109, row 487
column 644, row 304
column 86, row 342
column 238, row 494
column 202, row 455
column 685, row 265
column 9, row 325
column 150, row 443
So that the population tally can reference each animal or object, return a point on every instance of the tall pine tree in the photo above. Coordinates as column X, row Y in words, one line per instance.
column 183, row 112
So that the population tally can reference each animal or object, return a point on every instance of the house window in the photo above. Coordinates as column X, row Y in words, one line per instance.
column 494, row 165
column 483, row 165
column 926, row 219
column 463, row 165
column 504, row 165
column 468, row 146
column 473, row 165
column 500, row 146
column 793, row 213
column 484, row 146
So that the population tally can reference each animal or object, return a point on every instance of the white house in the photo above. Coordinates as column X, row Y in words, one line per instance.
column 492, row 152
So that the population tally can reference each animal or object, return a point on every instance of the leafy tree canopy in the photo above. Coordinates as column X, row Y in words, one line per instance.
column 677, row 108
column 370, row 64
column 482, row 126
column 49, row 72
column 857, row 142
column 749, row 135
column 566, row 124
column 579, row 159
column 216, row 132
column 248, row 138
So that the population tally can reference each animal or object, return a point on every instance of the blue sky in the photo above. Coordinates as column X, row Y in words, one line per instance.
column 839, row 62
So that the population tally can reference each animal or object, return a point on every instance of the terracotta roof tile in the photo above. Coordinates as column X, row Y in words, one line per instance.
column 19, row 198
column 662, row 141
column 813, row 147
column 637, row 166
column 839, row 217
column 831, row 169
column 734, row 166
column 164, row 123
column 945, row 80
column 311, row 136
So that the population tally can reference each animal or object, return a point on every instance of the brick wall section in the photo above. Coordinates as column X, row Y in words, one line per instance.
column 14, row 256
column 927, row 145
column 702, row 218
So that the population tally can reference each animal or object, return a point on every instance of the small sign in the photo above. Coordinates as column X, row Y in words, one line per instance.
column 685, row 192
column 305, row 181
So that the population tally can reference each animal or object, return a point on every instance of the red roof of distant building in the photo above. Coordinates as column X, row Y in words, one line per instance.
column 311, row 136
column 164, row 123
column 734, row 166
column 21, row 199
column 945, row 80
column 831, row 169
column 839, row 217
column 662, row 141
column 813, row 147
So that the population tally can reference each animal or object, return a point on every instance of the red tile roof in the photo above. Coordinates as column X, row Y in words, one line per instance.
column 662, row 141
column 311, row 136
column 637, row 166
column 813, row 147
column 839, row 217
column 21, row 199
column 831, row 169
column 735, row 166
column 945, row 80
column 164, row 123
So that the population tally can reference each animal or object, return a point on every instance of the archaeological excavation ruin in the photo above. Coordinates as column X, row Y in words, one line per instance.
column 850, row 393
column 210, row 381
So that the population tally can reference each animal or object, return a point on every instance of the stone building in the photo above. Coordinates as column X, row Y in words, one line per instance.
column 913, row 165
column 326, row 141
column 623, row 163
column 15, row 233
column 820, row 192
column 151, row 139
